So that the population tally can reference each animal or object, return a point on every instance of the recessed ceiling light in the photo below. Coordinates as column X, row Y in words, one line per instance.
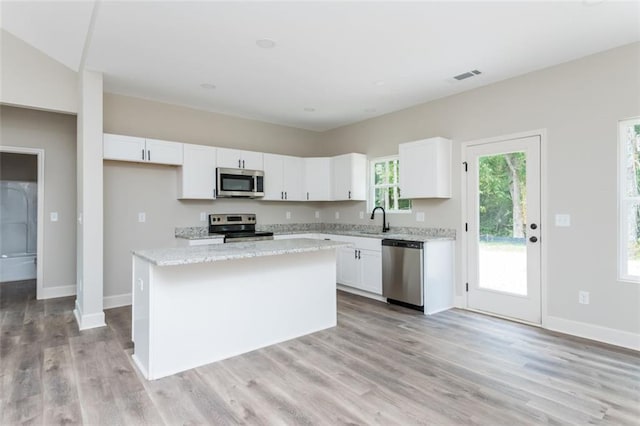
column 309, row 109
column 265, row 43
column 208, row 86
column 378, row 83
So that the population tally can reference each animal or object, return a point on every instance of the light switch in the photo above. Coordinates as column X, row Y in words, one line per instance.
column 361, row 215
column 142, row 217
column 420, row 217
column 337, row 215
column 317, row 214
column 203, row 216
column 563, row 220
column 288, row 215
column 53, row 216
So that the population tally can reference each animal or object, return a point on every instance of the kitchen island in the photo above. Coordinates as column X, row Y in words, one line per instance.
column 196, row 305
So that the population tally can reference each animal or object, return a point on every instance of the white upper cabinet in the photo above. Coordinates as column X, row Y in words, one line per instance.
column 239, row 159
column 130, row 148
column 283, row 177
column 197, row 176
column 164, row 152
column 124, row 148
column 317, row 179
column 425, row 168
column 349, row 177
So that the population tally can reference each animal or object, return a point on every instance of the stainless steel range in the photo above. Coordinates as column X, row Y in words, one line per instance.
column 237, row 227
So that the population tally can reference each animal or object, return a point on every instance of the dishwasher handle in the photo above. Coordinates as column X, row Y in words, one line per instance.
column 403, row 244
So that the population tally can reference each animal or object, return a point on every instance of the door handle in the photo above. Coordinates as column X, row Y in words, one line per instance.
column 533, row 239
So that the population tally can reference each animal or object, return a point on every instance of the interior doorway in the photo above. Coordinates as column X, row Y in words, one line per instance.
column 503, row 238
column 21, row 216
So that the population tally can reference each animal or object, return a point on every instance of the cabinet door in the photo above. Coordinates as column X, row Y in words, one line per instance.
column 252, row 160
column 164, row 152
column 273, row 177
column 229, row 158
column 292, row 177
column 425, row 168
column 370, row 265
column 123, row 148
column 349, row 175
column 197, row 176
column 317, row 179
column 347, row 268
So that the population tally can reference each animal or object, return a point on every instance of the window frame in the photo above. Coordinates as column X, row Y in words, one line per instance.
column 624, row 202
column 372, row 185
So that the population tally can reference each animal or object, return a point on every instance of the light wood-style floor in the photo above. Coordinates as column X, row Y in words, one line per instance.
column 380, row 365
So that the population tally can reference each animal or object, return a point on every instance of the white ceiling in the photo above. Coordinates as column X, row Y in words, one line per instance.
column 328, row 55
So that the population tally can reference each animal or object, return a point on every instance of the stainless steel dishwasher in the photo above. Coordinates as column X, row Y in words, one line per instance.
column 402, row 272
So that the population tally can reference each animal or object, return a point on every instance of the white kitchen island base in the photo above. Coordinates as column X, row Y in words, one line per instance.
column 188, row 315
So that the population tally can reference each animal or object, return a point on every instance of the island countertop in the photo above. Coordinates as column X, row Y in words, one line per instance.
column 220, row 252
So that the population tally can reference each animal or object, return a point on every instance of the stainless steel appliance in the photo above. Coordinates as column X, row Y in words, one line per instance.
column 239, row 183
column 403, row 272
column 237, row 227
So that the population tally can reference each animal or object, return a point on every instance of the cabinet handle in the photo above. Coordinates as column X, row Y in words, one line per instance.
column 239, row 166
column 243, row 164
column 358, row 254
column 349, row 194
column 355, row 254
column 307, row 196
column 143, row 154
column 149, row 155
column 281, row 195
column 285, row 195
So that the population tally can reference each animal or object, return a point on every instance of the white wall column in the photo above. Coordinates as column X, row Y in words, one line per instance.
column 88, row 311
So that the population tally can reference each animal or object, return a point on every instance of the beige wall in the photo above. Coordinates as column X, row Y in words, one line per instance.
column 579, row 104
column 31, row 79
column 56, row 134
column 131, row 188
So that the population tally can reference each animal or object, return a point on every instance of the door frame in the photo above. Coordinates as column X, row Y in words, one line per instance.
column 544, row 223
column 39, row 153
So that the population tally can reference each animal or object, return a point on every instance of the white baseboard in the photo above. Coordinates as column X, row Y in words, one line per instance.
column 60, row 291
column 87, row 321
column 361, row 293
column 116, row 301
column 594, row 332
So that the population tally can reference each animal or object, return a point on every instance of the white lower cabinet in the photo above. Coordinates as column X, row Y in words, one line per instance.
column 361, row 269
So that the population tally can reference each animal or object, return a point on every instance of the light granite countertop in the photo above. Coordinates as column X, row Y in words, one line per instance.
column 397, row 233
column 243, row 250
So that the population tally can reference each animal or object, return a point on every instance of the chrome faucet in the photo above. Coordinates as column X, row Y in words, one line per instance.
column 385, row 225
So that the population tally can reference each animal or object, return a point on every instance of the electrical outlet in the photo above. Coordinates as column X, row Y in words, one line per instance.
column 361, row 215
column 142, row 217
column 420, row 217
column 203, row 216
column 337, row 215
column 288, row 215
column 563, row 220
column 317, row 214
column 583, row 297
column 53, row 216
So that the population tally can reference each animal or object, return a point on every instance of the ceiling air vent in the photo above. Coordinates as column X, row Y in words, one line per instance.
column 467, row 75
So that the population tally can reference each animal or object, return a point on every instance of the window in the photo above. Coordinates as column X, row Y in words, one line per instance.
column 384, row 186
column 629, row 199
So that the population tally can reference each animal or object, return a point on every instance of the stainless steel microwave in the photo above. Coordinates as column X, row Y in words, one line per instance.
column 239, row 183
